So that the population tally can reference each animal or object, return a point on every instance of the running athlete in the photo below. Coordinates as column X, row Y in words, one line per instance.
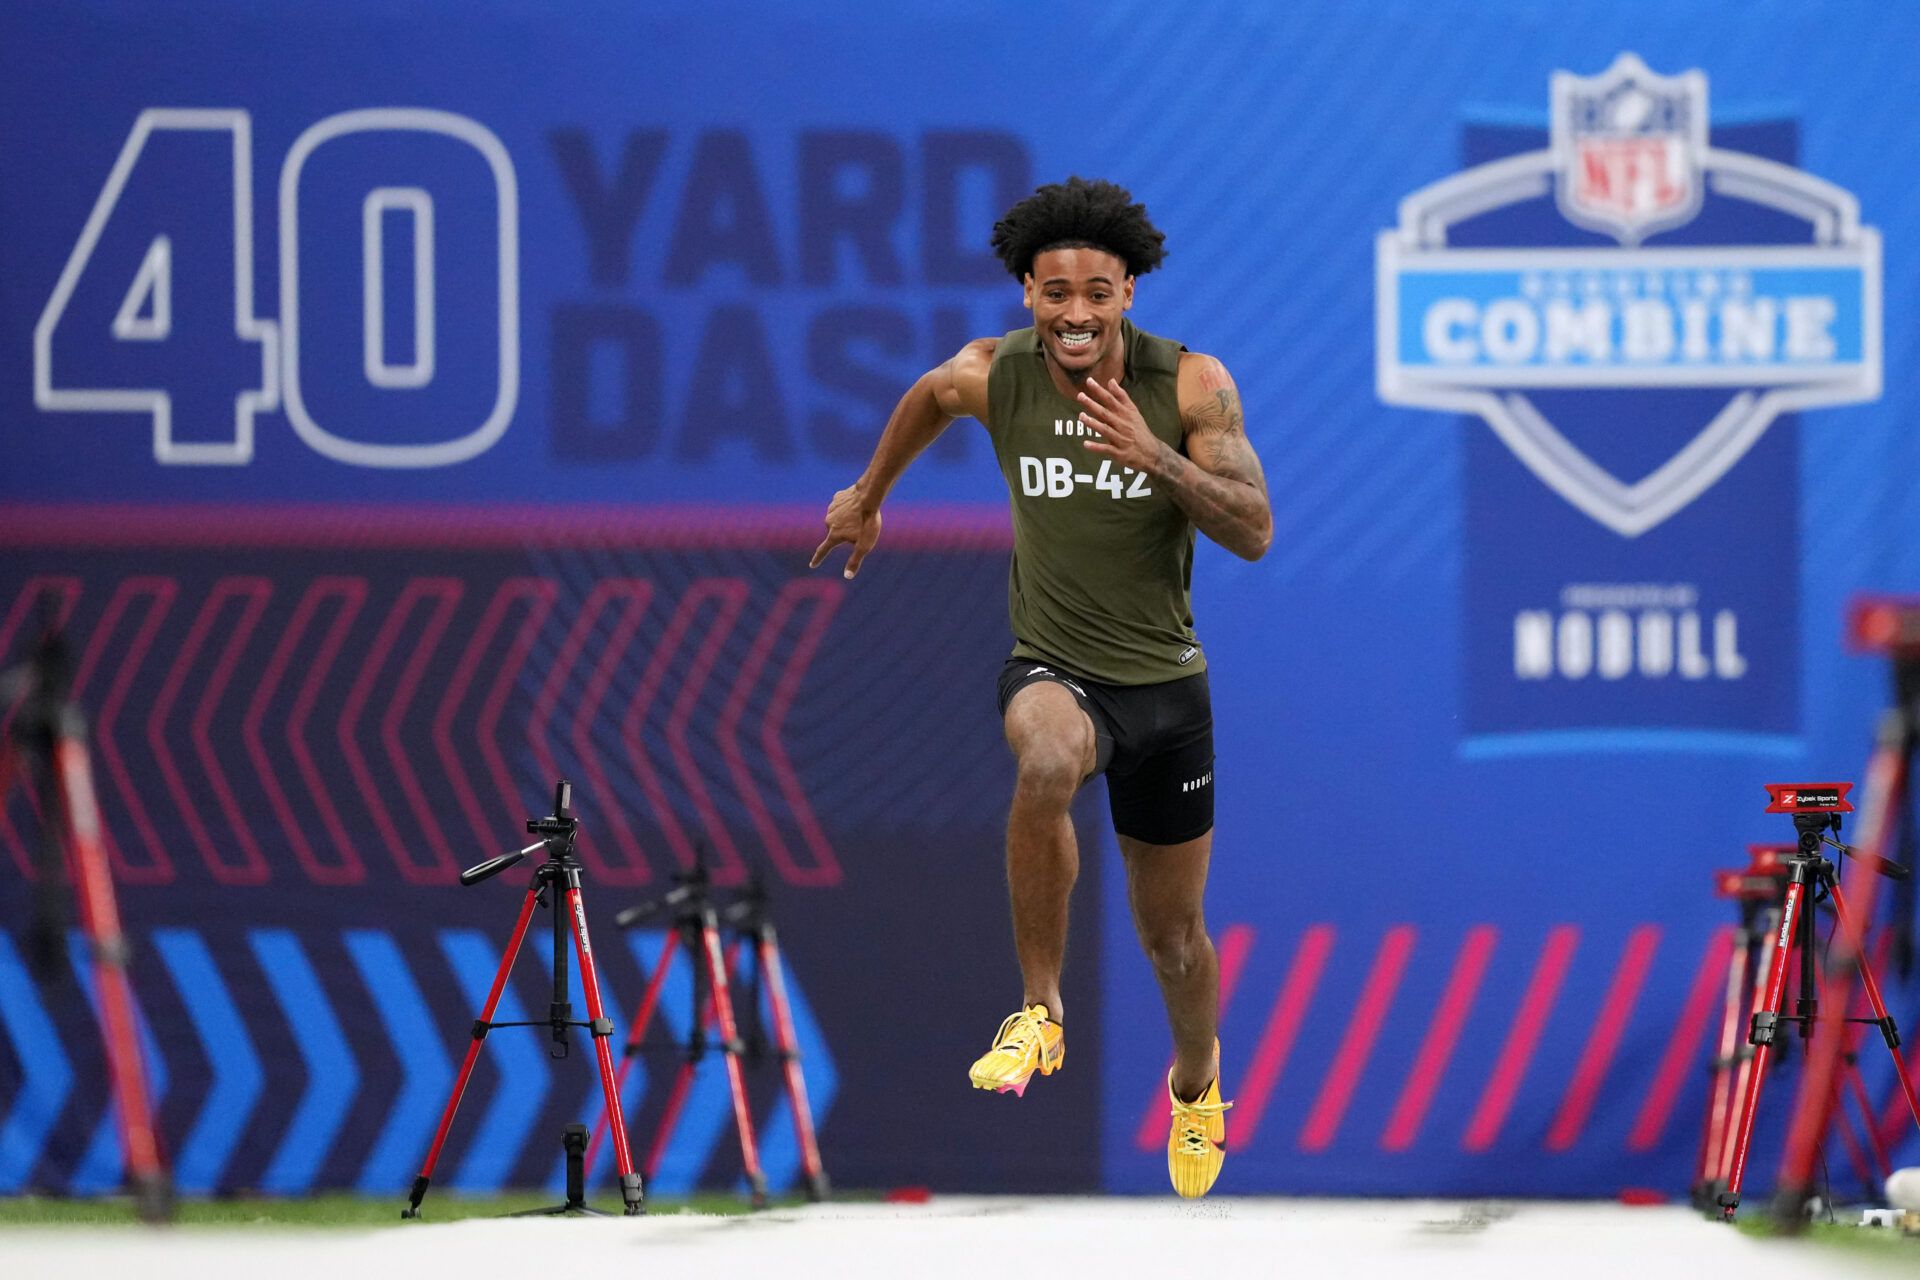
column 1115, row 445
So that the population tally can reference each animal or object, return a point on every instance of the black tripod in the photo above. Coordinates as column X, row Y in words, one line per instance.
column 555, row 879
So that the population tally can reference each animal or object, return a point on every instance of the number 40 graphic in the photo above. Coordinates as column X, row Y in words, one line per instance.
column 151, row 302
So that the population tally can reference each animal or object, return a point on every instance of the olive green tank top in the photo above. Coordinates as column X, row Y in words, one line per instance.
column 1102, row 560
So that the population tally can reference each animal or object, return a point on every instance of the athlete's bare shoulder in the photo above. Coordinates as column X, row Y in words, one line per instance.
column 960, row 385
column 1202, row 378
column 1209, row 402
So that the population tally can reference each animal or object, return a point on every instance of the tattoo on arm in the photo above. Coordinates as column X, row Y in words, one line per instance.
column 1222, row 489
column 1216, row 429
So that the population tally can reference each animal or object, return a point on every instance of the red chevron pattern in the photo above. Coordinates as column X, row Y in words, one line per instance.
column 160, row 594
column 1591, row 1071
column 238, row 862
column 229, row 711
column 1523, row 1037
column 1283, row 1028
column 1443, row 1034
column 1336, row 1091
column 819, row 868
column 536, row 596
column 1683, row 1053
column 633, row 725
column 729, row 597
column 632, row 596
column 347, row 595
column 441, row 594
column 445, row 594
column 1373, row 1009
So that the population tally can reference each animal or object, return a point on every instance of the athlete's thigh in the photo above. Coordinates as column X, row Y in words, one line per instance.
column 1166, row 799
column 1166, row 883
column 1043, row 716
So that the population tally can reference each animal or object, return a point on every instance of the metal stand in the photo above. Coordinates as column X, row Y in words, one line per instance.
column 696, row 928
column 1890, row 625
column 696, row 925
column 1815, row 811
column 1760, row 890
column 556, row 883
column 47, row 741
column 573, row 1139
column 749, row 917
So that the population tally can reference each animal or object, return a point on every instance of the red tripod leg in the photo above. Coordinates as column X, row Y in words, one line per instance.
column 730, row 1033
column 100, row 917
column 676, row 1095
column 1770, row 1004
column 1855, row 1153
column 1850, row 1072
column 1743, row 1072
column 1813, row 1115
column 1726, row 1057
column 480, row 1026
column 642, row 1019
column 1881, row 1159
column 789, row 1047
column 601, row 1028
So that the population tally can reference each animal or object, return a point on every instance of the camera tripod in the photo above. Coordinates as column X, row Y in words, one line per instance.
column 1759, row 889
column 1816, row 810
column 696, row 929
column 556, row 884
column 1891, row 625
column 47, row 743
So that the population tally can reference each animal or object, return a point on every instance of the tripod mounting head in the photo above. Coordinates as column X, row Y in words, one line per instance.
column 556, row 832
column 749, row 910
column 1884, row 624
column 1813, row 828
column 1762, row 879
column 689, row 893
column 1816, row 808
column 561, row 822
column 1809, row 797
column 34, row 693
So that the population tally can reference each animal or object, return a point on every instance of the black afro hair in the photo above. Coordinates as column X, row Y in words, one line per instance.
column 1078, row 214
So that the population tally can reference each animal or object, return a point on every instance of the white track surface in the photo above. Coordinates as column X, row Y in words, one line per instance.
column 986, row 1239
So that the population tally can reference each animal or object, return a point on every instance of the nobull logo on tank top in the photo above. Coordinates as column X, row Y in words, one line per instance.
column 1637, row 302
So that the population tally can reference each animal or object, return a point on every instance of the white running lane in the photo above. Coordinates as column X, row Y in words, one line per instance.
column 988, row 1238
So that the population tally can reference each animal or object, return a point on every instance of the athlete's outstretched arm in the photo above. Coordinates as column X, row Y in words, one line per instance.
column 956, row 389
column 1218, row 481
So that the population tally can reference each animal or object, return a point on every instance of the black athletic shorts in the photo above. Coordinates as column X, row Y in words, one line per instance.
column 1153, row 741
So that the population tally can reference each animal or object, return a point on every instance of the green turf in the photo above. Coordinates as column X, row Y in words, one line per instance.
column 326, row 1210
column 1884, row 1242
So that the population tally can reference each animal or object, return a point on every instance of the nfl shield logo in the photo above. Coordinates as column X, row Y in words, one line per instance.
column 1628, row 146
column 1533, row 291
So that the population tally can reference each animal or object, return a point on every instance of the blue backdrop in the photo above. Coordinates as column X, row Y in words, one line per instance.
column 349, row 330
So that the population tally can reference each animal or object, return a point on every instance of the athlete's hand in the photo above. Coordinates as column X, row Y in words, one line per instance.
column 1108, row 409
column 848, row 522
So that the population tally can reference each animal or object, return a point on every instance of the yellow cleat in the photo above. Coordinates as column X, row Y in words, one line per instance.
column 1197, row 1146
column 1028, row 1041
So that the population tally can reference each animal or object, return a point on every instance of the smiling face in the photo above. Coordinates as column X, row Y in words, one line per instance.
column 1077, row 296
